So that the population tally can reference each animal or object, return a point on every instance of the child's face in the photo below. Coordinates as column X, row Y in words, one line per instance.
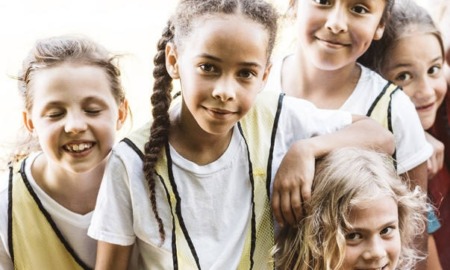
column 222, row 66
column 335, row 33
column 416, row 64
column 74, row 115
column 374, row 242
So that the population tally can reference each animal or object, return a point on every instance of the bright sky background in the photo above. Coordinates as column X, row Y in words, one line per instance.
column 131, row 27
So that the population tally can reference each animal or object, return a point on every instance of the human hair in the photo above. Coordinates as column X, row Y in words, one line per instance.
column 407, row 19
column 384, row 18
column 52, row 52
column 345, row 178
column 178, row 28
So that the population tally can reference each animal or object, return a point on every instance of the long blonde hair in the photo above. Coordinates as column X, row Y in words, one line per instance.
column 344, row 178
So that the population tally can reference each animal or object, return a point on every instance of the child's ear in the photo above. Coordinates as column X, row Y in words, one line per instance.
column 379, row 32
column 123, row 113
column 28, row 123
column 172, row 60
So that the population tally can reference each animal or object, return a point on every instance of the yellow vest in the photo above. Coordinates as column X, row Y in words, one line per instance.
column 380, row 110
column 258, row 129
column 35, row 242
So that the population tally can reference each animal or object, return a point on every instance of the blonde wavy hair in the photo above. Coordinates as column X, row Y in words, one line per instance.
column 345, row 178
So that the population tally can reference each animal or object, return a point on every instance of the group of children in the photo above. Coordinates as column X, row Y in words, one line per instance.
column 313, row 160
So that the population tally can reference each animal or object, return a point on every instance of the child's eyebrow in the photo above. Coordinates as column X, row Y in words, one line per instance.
column 217, row 59
column 439, row 58
column 384, row 225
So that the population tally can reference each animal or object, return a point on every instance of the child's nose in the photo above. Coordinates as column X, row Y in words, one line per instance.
column 425, row 89
column 375, row 250
column 336, row 20
column 75, row 123
column 225, row 90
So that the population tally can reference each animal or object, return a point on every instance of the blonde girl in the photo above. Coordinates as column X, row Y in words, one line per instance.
column 74, row 104
column 360, row 216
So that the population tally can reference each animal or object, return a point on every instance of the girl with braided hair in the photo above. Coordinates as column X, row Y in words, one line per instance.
column 195, row 194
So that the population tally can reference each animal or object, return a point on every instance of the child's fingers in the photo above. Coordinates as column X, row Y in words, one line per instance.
column 286, row 207
column 276, row 209
column 296, row 205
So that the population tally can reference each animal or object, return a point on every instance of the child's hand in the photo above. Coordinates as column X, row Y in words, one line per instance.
column 436, row 161
column 292, row 184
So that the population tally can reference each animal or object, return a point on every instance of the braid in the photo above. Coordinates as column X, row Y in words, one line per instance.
column 177, row 30
column 159, row 131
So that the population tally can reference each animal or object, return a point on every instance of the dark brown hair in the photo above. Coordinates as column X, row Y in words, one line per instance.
column 178, row 28
column 407, row 17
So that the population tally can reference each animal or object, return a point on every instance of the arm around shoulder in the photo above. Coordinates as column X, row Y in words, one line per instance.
column 368, row 133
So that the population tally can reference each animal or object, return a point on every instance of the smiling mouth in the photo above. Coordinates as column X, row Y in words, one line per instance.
column 421, row 108
column 375, row 268
column 78, row 147
column 333, row 43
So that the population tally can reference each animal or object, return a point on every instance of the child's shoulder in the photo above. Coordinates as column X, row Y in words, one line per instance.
column 136, row 139
column 370, row 79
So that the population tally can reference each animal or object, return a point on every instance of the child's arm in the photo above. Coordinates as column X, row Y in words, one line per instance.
column 112, row 257
column 292, row 187
column 436, row 161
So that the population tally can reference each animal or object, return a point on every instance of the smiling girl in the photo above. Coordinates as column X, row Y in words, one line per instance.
column 74, row 104
column 412, row 55
column 360, row 216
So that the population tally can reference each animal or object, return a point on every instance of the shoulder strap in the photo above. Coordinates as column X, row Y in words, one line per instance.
column 381, row 107
column 35, row 241
column 381, row 110
column 259, row 128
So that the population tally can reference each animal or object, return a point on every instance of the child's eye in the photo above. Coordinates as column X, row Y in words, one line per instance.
column 54, row 114
column 434, row 70
column 360, row 9
column 388, row 230
column 246, row 74
column 322, row 2
column 93, row 111
column 353, row 237
column 208, row 68
column 402, row 77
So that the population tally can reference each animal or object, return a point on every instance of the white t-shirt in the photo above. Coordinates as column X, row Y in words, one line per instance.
column 72, row 225
column 215, row 197
column 412, row 149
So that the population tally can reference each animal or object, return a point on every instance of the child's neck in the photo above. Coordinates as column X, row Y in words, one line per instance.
column 327, row 89
column 76, row 192
column 196, row 145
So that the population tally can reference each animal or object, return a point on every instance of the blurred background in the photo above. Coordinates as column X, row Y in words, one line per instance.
column 129, row 27
column 122, row 26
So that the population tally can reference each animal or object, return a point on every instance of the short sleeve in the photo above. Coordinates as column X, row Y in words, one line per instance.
column 412, row 149
column 301, row 119
column 112, row 221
